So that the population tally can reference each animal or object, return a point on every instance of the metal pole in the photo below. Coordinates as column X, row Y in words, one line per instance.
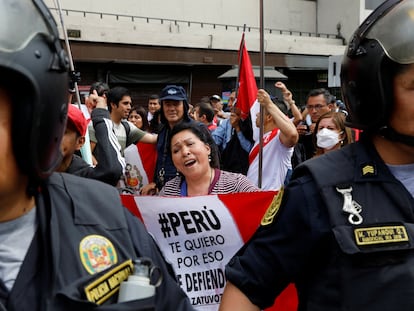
column 86, row 148
column 236, row 89
column 262, row 61
column 71, row 65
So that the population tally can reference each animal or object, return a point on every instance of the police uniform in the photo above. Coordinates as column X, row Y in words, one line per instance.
column 343, row 234
column 82, row 251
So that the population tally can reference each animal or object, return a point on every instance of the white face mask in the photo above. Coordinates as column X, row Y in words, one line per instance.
column 327, row 138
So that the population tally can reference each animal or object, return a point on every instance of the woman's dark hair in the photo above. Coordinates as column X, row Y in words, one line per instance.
column 141, row 111
column 203, row 133
column 155, row 123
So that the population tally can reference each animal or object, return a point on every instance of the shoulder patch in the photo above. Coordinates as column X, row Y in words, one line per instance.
column 368, row 169
column 108, row 284
column 273, row 208
column 97, row 253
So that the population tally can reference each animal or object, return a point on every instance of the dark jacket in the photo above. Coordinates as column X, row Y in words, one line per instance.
column 84, row 234
column 338, row 260
column 110, row 162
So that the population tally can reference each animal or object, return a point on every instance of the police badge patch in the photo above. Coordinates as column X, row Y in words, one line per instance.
column 273, row 208
column 97, row 253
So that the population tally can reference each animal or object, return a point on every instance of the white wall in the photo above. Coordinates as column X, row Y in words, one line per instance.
column 290, row 15
column 279, row 14
column 346, row 13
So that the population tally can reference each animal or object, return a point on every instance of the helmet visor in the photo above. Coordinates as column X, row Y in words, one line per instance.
column 395, row 32
column 19, row 23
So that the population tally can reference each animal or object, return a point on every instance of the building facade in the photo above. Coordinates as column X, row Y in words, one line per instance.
column 145, row 45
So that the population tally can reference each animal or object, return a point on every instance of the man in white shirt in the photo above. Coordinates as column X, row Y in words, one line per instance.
column 280, row 136
column 153, row 106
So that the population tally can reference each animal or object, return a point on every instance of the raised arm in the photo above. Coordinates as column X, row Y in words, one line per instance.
column 289, row 101
column 288, row 133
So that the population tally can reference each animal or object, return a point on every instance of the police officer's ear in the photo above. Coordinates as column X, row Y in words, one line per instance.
column 80, row 141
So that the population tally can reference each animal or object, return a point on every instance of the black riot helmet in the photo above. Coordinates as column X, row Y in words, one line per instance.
column 34, row 73
column 383, row 42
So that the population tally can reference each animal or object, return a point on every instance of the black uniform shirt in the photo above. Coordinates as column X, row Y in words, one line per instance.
column 311, row 241
column 283, row 249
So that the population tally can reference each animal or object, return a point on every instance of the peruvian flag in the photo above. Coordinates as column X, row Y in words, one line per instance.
column 247, row 88
column 140, row 161
column 199, row 235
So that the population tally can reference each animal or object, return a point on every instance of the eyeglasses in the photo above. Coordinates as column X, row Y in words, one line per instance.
column 317, row 107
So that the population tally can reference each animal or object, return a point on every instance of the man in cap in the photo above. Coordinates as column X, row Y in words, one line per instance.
column 342, row 231
column 174, row 109
column 219, row 114
column 110, row 164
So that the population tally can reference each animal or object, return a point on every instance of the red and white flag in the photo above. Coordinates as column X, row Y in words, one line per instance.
column 140, row 161
column 247, row 88
column 199, row 235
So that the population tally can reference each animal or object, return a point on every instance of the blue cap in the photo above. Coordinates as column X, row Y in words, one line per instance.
column 173, row 92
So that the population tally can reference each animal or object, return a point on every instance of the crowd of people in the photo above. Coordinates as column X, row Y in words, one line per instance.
column 143, row 135
column 340, row 229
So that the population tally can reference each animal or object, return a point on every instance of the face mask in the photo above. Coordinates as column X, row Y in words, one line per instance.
column 326, row 138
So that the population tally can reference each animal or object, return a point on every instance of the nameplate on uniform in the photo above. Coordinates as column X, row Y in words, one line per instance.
column 380, row 235
column 108, row 284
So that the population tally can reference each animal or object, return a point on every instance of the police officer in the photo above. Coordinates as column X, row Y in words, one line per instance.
column 66, row 242
column 346, row 240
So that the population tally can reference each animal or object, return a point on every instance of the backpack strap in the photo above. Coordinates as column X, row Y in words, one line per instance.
column 127, row 131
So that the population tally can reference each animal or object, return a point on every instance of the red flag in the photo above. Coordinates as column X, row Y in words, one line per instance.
column 247, row 88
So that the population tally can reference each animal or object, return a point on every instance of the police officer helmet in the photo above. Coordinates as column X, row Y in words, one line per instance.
column 34, row 73
column 385, row 37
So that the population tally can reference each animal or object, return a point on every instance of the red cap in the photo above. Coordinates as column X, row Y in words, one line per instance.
column 75, row 116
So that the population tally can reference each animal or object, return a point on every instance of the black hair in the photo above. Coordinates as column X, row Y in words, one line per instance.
column 100, row 87
column 154, row 96
column 115, row 95
column 184, row 99
column 321, row 91
column 203, row 133
column 155, row 123
column 143, row 113
column 206, row 109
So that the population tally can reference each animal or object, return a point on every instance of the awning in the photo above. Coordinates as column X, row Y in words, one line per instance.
column 269, row 73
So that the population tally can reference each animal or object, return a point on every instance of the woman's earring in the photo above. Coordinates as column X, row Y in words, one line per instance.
column 209, row 158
